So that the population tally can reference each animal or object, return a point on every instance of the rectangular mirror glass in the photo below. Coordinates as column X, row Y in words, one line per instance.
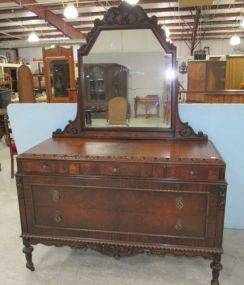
column 128, row 81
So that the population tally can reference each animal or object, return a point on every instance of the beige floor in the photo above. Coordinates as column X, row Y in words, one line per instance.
column 63, row 266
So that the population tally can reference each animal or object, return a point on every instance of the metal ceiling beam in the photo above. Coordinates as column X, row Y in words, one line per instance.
column 51, row 18
column 194, row 31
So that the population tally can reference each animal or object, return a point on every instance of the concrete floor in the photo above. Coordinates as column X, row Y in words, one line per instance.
column 63, row 265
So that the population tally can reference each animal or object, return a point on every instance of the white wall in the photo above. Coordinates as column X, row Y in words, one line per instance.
column 216, row 47
column 28, row 54
column 146, row 73
column 33, row 123
column 9, row 52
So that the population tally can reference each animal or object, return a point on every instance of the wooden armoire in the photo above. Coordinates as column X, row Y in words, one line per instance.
column 59, row 69
column 124, row 190
column 204, row 76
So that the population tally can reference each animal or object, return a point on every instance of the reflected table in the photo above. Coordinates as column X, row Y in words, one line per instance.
column 146, row 101
column 90, row 111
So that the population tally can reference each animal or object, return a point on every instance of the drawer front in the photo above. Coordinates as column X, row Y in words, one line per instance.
column 129, row 211
column 116, row 169
column 185, row 172
column 123, row 169
column 45, row 166
column 188, row 172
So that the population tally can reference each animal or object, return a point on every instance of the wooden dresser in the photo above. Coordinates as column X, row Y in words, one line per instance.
column 122, row 198
column 125, row 190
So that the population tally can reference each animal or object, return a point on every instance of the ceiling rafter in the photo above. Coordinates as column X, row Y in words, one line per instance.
column 219, row 20
column 51, row 18
column 194, row 31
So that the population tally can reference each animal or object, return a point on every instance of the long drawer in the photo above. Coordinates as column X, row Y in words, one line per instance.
column 66, row 206
column 124, row 169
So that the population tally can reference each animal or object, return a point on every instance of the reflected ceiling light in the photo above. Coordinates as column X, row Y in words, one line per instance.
column 170, row 74
column 242, row 23
column 132, row 2
column 70, row 11
column 33, row 37
column 235, row 40
column 167, row 32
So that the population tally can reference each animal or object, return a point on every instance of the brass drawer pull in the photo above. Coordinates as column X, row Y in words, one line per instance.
column 193, row 172
column 179, row 203
column 45, row 165
column 115, row 170
column 57, row 217
column 55, row 195
column 178, row 225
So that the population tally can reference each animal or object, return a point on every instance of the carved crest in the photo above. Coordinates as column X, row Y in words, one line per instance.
column 124, row 15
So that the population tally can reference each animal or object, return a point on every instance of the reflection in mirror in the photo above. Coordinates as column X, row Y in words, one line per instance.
column 128, row 81
column 60, row 81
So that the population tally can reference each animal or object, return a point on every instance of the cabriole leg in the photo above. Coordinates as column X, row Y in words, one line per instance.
column 27, row 250
column 216, row 267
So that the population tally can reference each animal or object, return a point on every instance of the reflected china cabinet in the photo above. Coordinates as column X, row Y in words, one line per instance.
column 126, row 190
column 103, row 82
column 59, row 75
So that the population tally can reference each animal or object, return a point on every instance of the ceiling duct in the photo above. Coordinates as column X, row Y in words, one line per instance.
column 194, row 3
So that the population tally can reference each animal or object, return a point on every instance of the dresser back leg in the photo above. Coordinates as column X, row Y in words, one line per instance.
column 27, row 250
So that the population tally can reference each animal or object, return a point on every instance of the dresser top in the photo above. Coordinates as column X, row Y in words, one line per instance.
column 109, row 149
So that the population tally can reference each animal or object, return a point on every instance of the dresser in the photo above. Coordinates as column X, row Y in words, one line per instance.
column 125, row 190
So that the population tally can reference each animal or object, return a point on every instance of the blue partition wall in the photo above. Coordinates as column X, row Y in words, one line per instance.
column 223, row 123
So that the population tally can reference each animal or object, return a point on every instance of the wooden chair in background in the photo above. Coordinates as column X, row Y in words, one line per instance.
column 117, row 111
column 10, row 142
column 25, row 85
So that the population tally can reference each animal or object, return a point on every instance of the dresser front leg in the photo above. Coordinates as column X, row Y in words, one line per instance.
column 216, row 268
column 27, row 250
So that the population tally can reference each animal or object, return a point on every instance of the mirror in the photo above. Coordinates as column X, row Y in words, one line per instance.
column 126, row 84
column 128, row 81
column 60, row 81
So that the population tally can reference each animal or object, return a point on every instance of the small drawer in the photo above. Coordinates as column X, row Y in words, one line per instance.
column 115, row 169
column 193, row 172
column 44, row 166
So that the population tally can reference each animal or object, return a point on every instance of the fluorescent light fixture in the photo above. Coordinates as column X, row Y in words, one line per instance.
column 235, row 40
column 70, row 11
column 132, row 2
column 33, row 37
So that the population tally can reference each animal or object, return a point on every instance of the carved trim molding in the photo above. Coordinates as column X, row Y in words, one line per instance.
column 187, row 132
column 70, row 129
column 122, row 158
column 120, row 249
column 222, row 197
column 20, row 190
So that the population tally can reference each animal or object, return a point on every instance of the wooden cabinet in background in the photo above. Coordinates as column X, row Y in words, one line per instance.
column 59, row 75
column 103, row 82
column 205, row 76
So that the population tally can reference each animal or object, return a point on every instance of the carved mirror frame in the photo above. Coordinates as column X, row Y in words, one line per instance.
column 127, row 17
